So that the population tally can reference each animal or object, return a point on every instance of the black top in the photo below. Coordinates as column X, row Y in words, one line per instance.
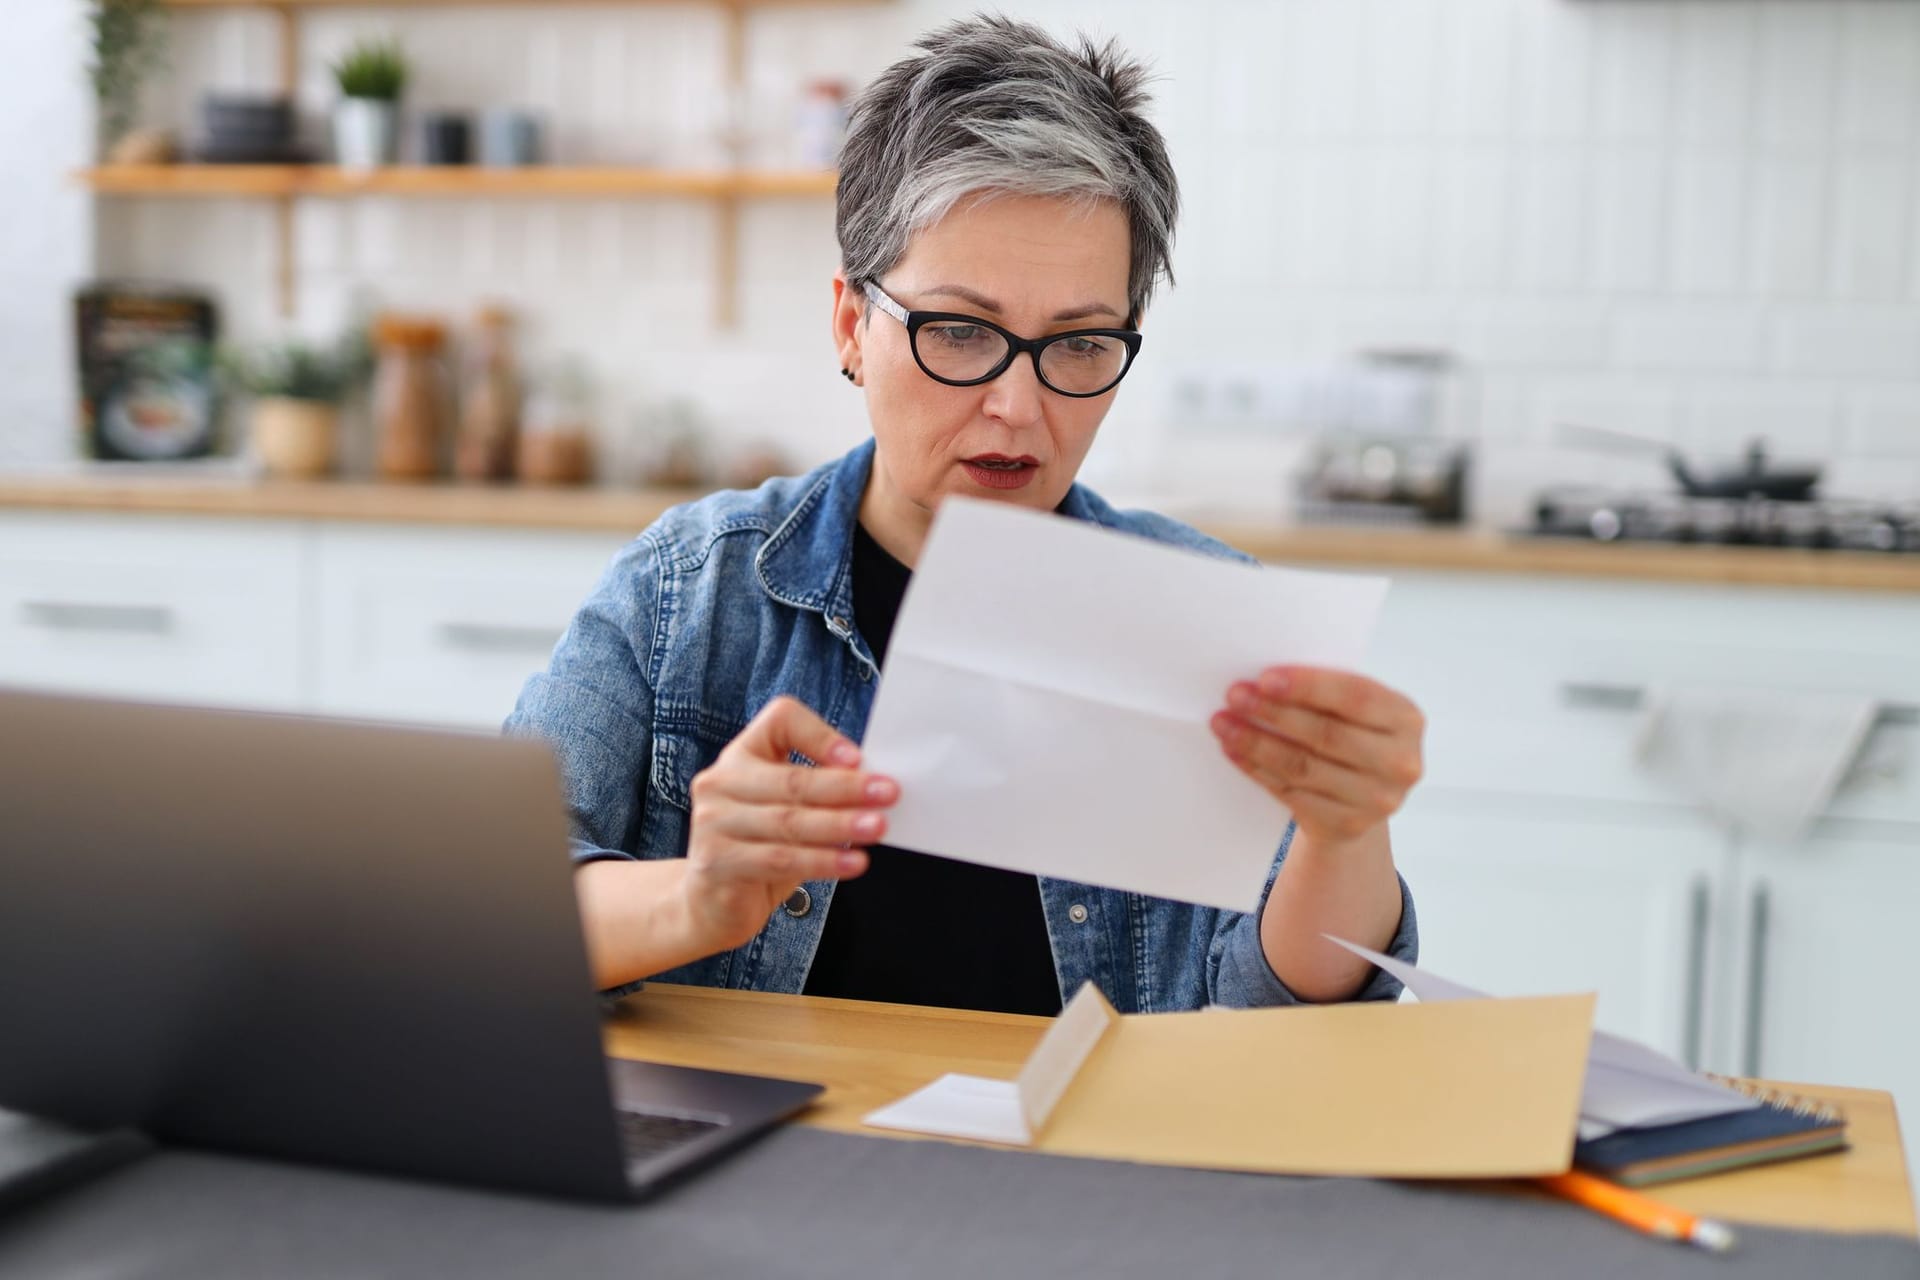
column 916, row 929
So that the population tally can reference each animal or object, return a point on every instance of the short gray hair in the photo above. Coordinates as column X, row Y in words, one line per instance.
column 991, row 105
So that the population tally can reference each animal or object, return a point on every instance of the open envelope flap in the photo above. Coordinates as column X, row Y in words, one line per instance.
column 1057, row 1059
column 1627, row 1082
column 1481, row 1088
column 1008, row 1111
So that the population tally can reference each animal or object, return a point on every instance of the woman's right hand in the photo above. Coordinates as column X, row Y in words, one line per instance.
column 761, row 825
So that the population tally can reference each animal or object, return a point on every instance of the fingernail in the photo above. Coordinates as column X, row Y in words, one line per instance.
column 867, row 826
column 1225, row 725
column 845, row 753
column 1274, row 683
column 882, row 790
column 1240, row 698
column 852, row 861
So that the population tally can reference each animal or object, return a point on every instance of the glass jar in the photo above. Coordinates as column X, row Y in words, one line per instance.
column 820, row 124
column 490, row 403
column 556, row 436
column 409, row 397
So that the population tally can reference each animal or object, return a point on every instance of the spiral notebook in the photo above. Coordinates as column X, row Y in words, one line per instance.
column 1783, row 1127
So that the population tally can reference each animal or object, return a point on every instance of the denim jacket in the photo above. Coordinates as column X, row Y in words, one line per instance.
column 724, row 604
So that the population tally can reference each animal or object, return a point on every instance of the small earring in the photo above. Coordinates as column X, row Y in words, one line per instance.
column 847, row 374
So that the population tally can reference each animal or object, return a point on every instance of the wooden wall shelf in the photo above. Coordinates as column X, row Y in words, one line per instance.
column 445, row 4
column 448, row 181
column 283, row 184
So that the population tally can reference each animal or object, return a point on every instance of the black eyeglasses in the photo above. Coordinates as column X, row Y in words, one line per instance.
column 965, row 351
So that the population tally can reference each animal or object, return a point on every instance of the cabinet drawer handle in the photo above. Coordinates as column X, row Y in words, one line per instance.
column 1603, row 697
column 126, row 619
column 1758, row 929
column 1631, row 697
column 1699, row 910
column 488, row 637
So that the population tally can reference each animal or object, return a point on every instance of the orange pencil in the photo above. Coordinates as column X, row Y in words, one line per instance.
column 1640, row 1212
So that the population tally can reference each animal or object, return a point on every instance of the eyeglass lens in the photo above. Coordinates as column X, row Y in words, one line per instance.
column 1079, row 365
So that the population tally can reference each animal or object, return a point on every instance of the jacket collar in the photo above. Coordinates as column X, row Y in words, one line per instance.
column 1082, row 504
column 807, row 561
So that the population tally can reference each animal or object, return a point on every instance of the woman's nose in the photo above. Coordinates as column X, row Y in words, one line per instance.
column 1016, row 397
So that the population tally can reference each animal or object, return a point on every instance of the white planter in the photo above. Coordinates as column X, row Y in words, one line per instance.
column 365, row 133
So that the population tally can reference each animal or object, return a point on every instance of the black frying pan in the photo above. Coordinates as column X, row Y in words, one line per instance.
column 1751, row 477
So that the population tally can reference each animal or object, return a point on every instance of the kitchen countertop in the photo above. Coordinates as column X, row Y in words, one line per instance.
column 630, row 510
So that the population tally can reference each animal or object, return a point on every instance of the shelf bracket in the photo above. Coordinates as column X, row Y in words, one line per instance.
column 289, row 27
column 726, row 267
column 283, row 249
column 726, row 283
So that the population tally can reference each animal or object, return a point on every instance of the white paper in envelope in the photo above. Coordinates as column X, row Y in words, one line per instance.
column 1047, row 695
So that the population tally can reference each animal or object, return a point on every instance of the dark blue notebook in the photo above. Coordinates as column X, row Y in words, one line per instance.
column 1780, row 1128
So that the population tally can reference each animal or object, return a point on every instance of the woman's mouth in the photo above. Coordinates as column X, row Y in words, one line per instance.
column 998, row 471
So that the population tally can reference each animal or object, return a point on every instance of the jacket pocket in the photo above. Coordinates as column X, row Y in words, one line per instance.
column 677, row 756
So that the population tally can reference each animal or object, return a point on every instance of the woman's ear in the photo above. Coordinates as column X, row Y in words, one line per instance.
column 849, row 307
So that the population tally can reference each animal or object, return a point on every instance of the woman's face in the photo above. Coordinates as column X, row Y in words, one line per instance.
column 1033, row 264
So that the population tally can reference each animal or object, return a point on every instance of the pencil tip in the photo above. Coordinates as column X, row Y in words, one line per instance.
column 1717, row 1237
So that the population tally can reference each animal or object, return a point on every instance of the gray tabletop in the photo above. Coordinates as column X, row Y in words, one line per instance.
column 807, row 1203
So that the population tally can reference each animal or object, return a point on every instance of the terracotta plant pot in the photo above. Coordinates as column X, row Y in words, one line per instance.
column 295, row 439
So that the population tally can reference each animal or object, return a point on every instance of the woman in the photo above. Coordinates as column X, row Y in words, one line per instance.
column 1004, row 213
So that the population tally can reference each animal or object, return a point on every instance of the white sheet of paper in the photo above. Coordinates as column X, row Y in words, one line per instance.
column 959, row 1106
column 1047, row 695
column 1627, row 1083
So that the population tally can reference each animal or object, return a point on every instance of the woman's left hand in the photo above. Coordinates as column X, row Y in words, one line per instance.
column 1341, row 751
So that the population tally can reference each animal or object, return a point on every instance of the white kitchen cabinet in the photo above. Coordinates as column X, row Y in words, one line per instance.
column 442, row 626
column 1499, row 665
column 162, row 607
column 1524, row 898
column 1544, row 859
column 1827, row 929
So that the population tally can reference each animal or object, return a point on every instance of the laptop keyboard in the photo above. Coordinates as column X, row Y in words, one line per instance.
column 643, row 1134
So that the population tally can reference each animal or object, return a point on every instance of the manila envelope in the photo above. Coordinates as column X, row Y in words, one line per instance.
column 1473, row 1089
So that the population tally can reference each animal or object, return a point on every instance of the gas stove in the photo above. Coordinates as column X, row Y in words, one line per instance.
column 1605, row 515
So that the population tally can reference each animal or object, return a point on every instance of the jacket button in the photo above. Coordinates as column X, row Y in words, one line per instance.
column 799, row 902
column 1077, row 913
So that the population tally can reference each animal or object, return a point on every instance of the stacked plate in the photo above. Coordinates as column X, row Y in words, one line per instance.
column 240, row 128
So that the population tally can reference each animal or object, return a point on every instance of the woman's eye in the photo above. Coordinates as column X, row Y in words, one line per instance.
column 957, row 334
column 1084, row 346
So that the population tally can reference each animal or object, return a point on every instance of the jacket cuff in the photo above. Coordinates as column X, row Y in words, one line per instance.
column 1247, row 981
column 583, row 853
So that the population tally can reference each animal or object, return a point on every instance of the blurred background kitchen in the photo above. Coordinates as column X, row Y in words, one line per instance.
column 341, row 345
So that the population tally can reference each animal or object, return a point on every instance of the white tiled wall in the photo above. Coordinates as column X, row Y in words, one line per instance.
column 45, row 223
column 1697, row 219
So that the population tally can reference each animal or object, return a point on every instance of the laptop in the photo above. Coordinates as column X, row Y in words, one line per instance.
column 324, row 941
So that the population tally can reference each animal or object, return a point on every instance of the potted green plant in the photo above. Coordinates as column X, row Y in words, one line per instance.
column 297, row 389
column 366, row 129
column 129, row 39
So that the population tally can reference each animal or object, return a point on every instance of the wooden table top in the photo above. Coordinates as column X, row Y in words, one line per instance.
column 872, row 1054
column 625, row 512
